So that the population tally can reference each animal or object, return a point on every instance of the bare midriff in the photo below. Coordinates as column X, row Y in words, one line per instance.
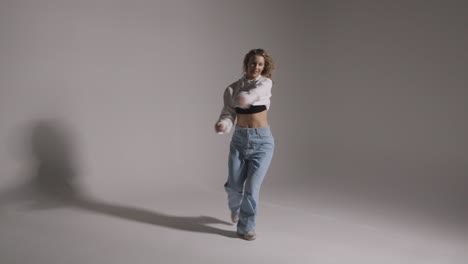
column 252, row 120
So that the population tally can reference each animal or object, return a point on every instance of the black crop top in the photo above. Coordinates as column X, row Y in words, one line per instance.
column 252, row 110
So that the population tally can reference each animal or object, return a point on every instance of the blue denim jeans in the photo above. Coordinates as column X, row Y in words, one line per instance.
column 250, row 154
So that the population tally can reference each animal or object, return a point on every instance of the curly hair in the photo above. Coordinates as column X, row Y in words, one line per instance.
column 269, row 65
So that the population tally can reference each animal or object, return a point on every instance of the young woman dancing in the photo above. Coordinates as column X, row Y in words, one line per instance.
column 246, row 103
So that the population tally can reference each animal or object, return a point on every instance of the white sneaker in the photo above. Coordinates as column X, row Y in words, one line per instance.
column 234, row 218
column 248, row 236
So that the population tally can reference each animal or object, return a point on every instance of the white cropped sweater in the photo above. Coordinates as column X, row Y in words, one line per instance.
column 256, row 92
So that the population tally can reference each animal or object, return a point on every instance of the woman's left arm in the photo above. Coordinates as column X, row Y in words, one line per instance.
column 261, row 92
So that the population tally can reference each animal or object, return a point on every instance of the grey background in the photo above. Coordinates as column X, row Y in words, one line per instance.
column 368, row 110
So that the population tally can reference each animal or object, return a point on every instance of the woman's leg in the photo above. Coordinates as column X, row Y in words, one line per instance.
column 258, row 165
column 237, row 173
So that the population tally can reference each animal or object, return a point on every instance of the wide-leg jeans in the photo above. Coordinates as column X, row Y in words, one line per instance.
column 250, row 154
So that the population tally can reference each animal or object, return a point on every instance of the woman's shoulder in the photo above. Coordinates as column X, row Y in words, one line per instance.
column 235, row 84
column 265, row 81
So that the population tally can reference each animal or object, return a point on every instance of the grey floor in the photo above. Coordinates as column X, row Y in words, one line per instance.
column 189, row 224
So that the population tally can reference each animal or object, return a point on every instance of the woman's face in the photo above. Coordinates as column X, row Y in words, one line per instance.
column 255, row 66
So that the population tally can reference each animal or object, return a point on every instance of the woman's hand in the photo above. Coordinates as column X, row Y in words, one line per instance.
column 242, row 101
column 223, row 126
column 245, row 99
column 219, row 127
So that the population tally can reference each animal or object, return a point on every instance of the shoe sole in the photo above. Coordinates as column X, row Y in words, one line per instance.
column 243, row 237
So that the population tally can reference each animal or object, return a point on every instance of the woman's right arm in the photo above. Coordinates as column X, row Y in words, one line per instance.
column 228, row 113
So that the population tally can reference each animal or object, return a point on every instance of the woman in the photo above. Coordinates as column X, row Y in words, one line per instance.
column 251, row 150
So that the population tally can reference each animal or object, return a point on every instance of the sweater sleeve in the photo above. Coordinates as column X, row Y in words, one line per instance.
column 228, row 113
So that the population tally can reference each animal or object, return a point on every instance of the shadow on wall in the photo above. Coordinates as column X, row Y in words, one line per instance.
column 54, row 185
